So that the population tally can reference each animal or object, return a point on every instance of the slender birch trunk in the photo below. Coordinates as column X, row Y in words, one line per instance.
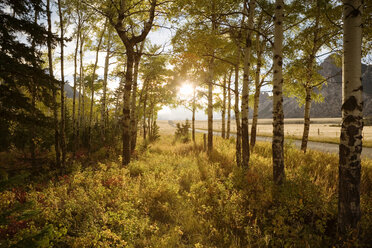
column 223, row 111
column 62, row 126
column 134, row 113
column 237, row 113
column 305, row 135
column 82, row 75
column 74, row 134
column 352, row 120
column 144, row 114
column 210, row 105
column 81, row 97
column 105, row 77
column 278, row 115
column 245, row 93
column 228, row 107
column 309, row 83
column 193, row 113
column 210, row 79
column 257, row 92
column 55, row 105
column 92, row 86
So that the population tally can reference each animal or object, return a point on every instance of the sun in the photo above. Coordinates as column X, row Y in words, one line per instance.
column 186, row 91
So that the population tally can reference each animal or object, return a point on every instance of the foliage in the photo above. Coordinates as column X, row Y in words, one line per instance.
column 177, row 196
column 182, row 132
column 22, row 78
column 154, row 132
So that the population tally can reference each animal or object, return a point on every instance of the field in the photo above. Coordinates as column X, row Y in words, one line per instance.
column 321, row 129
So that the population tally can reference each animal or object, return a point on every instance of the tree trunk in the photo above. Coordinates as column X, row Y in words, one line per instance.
column 245, row 93
column 210, row 105
column 81, row 95
column 237, row 114
column 144, row 116
column 309, row 84
column 127, row 105
column 105, row 77
column 352, row 121
column 193, row 113
column 74, row 129
column 210, row 79
column 305, row 135
column 257, row 93
column 223, row 111
column 255, row 118
column 92, row 86
column 134, row 113
column 32, row 131
column 55, row 105
column 62, row 126
column 228, row 107
column 278, row 115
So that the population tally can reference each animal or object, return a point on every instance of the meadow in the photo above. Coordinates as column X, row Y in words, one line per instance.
column 175, row 195
column 321, row 129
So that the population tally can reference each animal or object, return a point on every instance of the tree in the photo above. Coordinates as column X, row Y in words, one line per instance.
column 20, row 66
column 155, row 91
column 310, row 37
column 245, row 93
column 92, row 82
column 54, row 91
column 134, row 112
column 62, row 86
column 228, row 124
column 236, row 110
column 119, row 17
column 352, row 120
column 105, row 78
column 263, row 26
column 278, row 115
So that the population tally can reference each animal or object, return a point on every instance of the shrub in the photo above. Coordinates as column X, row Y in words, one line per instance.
column 182, row 132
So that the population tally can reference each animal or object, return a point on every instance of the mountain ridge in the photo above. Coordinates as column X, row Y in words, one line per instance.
column 332, row 93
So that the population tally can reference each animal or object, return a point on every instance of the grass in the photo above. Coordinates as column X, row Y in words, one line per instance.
column 174, row 195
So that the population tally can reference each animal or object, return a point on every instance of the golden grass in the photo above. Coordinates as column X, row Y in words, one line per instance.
column 326, row 133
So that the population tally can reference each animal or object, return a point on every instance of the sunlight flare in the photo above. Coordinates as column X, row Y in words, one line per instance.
column 186, row 90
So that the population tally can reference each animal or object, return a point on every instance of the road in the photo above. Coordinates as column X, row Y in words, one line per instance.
column 319, row 146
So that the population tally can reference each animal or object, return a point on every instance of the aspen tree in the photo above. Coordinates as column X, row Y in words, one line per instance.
column 352, row 120
column 278, row 115
column 245, row 93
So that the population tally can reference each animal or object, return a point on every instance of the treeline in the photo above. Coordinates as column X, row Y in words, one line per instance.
column 36, row 114
column 236, row 46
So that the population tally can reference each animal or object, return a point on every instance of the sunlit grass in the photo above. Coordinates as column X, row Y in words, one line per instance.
column 175, row 195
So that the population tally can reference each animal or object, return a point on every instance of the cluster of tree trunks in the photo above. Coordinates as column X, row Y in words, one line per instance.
column 352, row 119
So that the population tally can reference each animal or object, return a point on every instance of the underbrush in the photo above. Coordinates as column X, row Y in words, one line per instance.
column 177, row 196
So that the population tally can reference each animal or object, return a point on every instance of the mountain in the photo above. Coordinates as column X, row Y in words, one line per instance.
column 69, row 91
column 332, row 93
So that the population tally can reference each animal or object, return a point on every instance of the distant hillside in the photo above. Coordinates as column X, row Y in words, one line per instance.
column 332, row 93
column 69, row 91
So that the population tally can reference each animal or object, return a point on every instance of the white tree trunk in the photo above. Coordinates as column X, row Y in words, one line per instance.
column 278, row 116
column 352, row 120
column 245, row 93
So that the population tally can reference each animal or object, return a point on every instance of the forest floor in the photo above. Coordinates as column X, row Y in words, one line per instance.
column 174, row 195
